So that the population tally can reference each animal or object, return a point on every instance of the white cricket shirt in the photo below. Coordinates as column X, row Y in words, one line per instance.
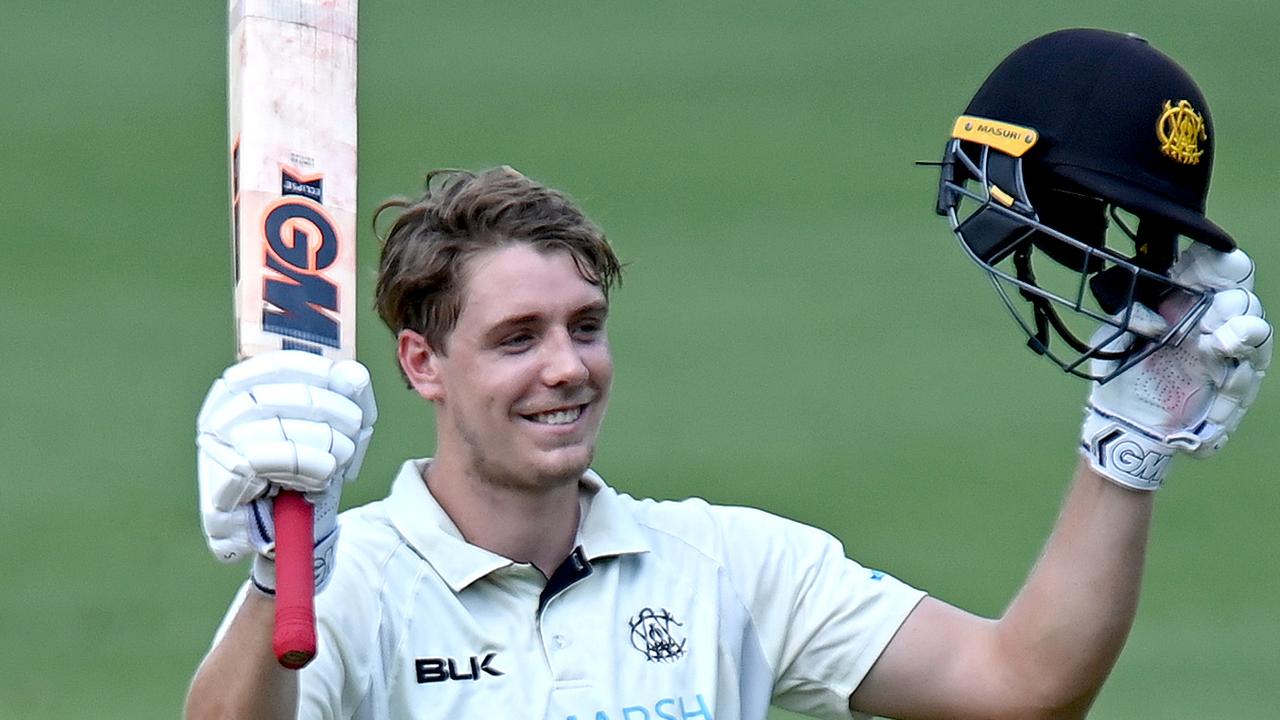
column 665, row 611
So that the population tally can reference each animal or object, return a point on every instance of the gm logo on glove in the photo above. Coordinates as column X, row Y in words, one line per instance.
column 1142, row 466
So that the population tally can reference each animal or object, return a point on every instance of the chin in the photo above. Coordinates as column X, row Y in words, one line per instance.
column 536, row 471
column 563, row 463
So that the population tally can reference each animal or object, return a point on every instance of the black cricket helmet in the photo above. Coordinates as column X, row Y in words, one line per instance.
column 1070, row 178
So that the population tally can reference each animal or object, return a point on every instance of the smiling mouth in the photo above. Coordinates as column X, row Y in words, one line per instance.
column 557, row 417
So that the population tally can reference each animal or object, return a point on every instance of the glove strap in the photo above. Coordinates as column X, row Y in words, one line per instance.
column 1124, row 453
column 263, row 575
column 263, row 572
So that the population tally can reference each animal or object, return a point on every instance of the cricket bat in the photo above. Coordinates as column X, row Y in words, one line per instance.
column 292, row 105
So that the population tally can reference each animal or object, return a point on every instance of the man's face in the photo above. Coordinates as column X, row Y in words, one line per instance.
column 523, row 387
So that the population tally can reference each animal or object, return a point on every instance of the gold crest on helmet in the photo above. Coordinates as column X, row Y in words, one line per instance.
column 1180, row 129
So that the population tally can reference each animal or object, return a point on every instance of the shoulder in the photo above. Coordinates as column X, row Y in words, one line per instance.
column 727, row 534
column 367, row 541
column 367, row 570
column 367, row 549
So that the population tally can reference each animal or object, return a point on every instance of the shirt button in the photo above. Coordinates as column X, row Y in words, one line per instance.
column 561, row 641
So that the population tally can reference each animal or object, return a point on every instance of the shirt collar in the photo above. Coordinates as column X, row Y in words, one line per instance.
column 606, row 528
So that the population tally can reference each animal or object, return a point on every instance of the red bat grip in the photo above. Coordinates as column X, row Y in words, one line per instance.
column 294, row 640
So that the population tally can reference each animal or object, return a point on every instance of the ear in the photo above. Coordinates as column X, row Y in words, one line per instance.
column 421, row 365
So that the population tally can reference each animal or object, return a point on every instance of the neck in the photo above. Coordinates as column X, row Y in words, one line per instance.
column 535, row 526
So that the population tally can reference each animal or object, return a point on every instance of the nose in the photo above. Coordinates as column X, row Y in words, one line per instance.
column 563, row 363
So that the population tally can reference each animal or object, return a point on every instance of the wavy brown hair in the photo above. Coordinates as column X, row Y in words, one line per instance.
column 460, row 214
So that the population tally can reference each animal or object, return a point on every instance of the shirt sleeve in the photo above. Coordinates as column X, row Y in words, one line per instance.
column 322, row 682
column 339, row 683
column 821, row 618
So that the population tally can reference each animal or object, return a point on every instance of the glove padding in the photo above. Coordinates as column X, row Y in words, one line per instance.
column 286, row 419
column 1182, row 398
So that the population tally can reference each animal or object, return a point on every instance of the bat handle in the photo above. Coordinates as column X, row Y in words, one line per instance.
column 294, row 639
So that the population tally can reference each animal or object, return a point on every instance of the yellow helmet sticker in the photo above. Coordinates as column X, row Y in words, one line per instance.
column 1006, row 137
column 1180, row 129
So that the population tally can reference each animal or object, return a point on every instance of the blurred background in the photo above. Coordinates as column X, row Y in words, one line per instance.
column 798, row 331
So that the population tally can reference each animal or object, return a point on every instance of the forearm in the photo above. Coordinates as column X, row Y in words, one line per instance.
column 241, row 677
column 1050, row 652
column 1066, row 627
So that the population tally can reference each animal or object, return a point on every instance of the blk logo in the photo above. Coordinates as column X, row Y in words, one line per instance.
column 438, row 669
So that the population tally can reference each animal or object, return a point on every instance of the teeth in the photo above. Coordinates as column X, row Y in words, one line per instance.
column 558, row 417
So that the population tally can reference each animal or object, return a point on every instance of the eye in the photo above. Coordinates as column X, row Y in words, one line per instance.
column 516, row 342
column 588, row 330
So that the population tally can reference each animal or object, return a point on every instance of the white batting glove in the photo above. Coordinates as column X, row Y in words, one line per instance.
column 286, row 419
column 1184, row 398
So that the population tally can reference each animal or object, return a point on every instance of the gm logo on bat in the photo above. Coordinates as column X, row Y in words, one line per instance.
column 301, row 243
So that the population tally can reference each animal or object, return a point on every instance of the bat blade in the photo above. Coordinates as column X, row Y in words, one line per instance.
column 292, row 122
column 293, row 165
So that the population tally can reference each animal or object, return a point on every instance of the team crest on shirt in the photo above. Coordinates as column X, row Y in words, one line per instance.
column 657, row 635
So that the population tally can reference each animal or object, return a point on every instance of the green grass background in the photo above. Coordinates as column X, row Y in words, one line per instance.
column 798, row 331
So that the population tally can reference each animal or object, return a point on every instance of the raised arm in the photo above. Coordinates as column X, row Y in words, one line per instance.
column 241, row 677
column 284, row 419
column 1051, row 651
